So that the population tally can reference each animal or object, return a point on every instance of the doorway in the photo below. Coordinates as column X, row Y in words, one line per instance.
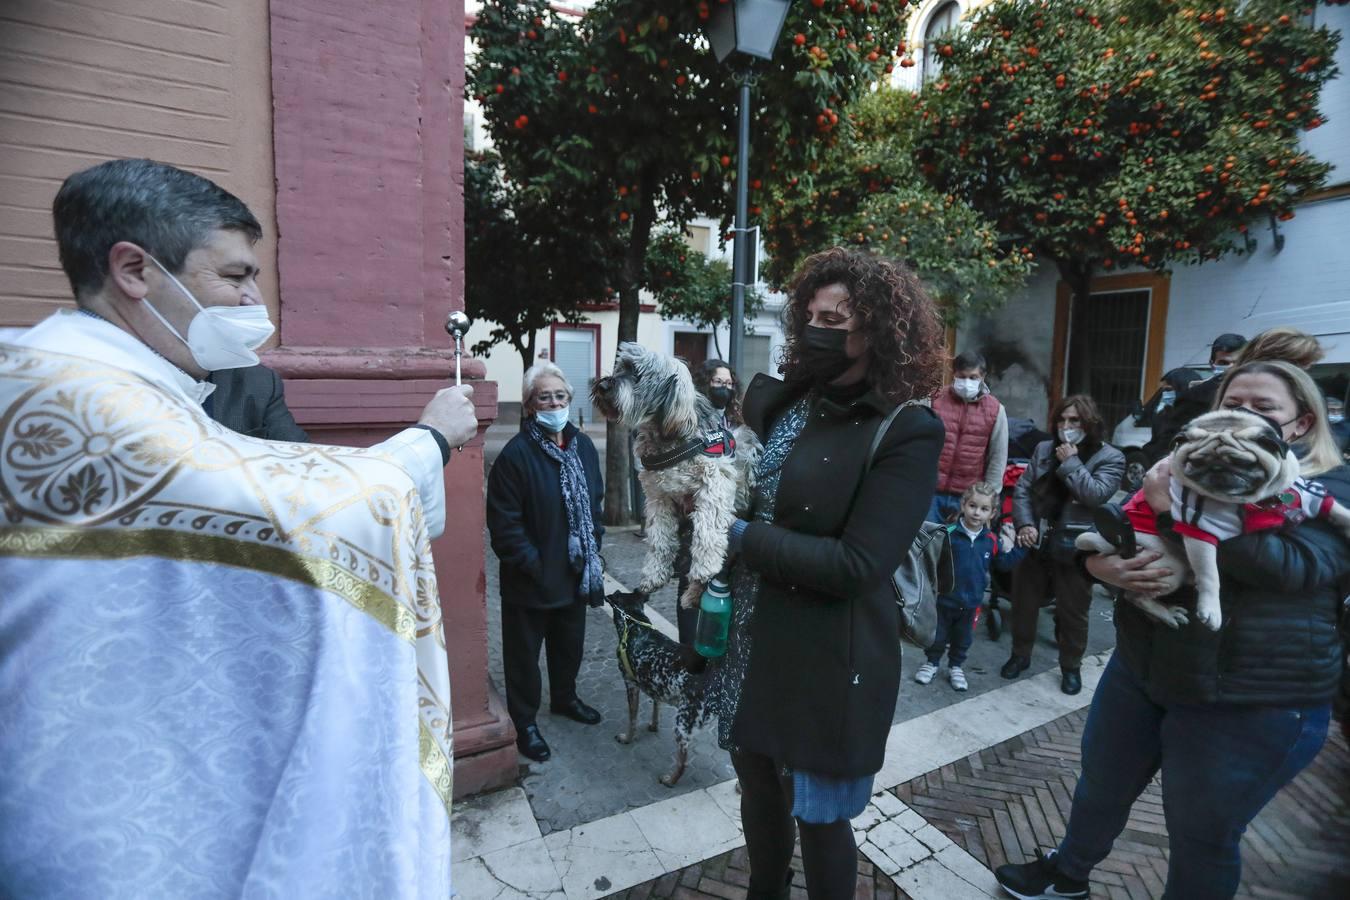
column 692, row 347
column 576, row 350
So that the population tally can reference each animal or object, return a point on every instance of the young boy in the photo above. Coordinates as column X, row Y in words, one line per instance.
column 974, row 550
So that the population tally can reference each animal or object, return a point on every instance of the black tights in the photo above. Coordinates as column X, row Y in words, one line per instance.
column 829, row 856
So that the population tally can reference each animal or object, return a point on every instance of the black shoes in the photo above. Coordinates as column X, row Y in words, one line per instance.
column 577, row 711
column 1015, row 666
column 1038, row 879
column 1070, row 682
column 531, row 744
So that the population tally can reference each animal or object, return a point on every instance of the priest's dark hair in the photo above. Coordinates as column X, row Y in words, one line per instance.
column 162, row 209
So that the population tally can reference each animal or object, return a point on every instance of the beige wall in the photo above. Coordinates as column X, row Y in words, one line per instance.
column 185, row 83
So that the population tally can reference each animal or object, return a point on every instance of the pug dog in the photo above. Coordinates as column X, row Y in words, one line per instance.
column 689, row 462
column 1231, row 472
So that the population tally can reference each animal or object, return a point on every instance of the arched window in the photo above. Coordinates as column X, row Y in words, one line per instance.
column 943, row 20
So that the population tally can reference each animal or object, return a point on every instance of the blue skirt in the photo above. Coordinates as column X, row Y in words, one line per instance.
column 820, row 799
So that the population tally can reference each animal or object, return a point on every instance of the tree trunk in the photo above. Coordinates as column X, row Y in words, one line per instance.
column 618, row 455
column 717, row 345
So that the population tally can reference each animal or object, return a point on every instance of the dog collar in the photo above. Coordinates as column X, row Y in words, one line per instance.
column 714, row 443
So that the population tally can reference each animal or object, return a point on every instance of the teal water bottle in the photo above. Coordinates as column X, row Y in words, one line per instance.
column 714, row 620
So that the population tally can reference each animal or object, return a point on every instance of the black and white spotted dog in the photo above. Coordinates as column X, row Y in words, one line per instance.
column 664, row 670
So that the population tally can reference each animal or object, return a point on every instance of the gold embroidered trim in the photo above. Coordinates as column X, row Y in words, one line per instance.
column 435, row 766
column 93, row 543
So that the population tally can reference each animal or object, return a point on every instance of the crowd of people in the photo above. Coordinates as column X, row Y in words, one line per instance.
column 148, row 453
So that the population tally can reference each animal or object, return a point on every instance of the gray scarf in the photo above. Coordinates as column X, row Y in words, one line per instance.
column 582, row 550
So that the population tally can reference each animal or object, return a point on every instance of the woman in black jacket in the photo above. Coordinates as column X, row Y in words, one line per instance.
column 544, row 515
column 1229, row 717
column 808, row 687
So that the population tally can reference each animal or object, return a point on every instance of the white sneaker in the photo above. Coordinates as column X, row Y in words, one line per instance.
column 957, row 678
column 925, row 673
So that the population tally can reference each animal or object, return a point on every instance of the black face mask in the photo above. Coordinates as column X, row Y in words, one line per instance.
column 720, row 396
column 823, row 353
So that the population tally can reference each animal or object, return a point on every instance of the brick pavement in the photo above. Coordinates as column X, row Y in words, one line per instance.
column 725, row 878
column 1003, row 802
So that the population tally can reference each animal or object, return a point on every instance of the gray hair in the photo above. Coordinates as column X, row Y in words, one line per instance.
column 166, row 211
column 539, row 370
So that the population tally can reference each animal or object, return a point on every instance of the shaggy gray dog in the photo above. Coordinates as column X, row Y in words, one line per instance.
column 687, row 463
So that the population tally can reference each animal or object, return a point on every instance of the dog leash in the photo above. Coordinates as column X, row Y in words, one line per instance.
column 624, row 662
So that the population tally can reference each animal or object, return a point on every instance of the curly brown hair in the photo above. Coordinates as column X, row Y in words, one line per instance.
column 900, row 322
column 703, row 382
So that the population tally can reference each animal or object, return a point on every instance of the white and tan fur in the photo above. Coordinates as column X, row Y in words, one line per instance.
column 654, row 394
column 1229, row 457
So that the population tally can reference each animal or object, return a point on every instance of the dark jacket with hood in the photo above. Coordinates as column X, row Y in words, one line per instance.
column 528, row 522
column 824, row 668
column 1280, row 592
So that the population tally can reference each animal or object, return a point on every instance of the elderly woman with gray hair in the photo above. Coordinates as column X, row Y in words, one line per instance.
column 544, row 515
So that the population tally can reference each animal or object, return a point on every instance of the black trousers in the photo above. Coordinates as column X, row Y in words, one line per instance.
column 562, row 631
column 829, row 855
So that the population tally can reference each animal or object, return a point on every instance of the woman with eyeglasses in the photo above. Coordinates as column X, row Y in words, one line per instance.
column 544, row 514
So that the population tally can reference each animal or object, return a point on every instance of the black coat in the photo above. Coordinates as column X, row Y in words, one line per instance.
column 251, row 401
column 528, row 522
column 1278, row 646
column 824, row 668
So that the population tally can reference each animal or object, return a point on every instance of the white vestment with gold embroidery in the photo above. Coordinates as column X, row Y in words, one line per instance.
column 222, row 667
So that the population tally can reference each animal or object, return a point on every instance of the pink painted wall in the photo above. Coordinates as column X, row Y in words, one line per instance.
column 368, row 140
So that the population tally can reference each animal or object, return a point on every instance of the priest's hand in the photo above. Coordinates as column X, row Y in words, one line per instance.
column 451, row 413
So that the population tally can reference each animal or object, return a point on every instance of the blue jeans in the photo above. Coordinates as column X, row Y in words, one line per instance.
column 955, row 631
column 1220, row 766
column 943, row 506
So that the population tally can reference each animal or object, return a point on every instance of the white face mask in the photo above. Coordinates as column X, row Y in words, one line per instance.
column 1072, row 435
column 220, row 337
column 966, row 388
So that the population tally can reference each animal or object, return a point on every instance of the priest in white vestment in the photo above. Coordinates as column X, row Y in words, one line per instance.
column 222, row 666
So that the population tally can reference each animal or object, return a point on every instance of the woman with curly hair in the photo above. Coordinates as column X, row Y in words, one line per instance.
column 717, row 381
column 807, row 689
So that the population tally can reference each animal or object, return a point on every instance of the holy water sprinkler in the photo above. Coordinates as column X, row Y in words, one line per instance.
column 457, row 325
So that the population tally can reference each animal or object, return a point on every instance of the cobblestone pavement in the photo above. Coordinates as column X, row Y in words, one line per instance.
column 1003, row 802
column 591, row 776
column 727, row 876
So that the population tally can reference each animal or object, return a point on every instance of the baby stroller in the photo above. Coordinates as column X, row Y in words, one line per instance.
column 1023, row 436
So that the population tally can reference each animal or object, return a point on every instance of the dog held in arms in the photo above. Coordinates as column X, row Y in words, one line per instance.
column 1231, row 473
column 689, row 465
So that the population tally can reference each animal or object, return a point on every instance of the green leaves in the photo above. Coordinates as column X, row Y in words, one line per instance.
column 867, row 192
column 1127, row 132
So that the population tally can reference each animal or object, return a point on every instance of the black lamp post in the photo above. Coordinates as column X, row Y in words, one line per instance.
column 748, row 30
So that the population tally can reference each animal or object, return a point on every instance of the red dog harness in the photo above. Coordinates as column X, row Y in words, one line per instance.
column 714, row 443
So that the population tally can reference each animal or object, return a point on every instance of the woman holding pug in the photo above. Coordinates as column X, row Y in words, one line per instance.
column 807, row 689
column 1052, row 504
column 1229, row 717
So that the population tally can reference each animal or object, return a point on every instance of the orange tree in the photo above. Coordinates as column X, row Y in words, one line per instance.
column 1113, row 133
column 867, row 192
column 622, row 118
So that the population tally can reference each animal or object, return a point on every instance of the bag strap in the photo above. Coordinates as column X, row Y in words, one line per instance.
column 885, row 427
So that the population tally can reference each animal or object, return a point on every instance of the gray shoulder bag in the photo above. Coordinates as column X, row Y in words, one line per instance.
column 927, row 569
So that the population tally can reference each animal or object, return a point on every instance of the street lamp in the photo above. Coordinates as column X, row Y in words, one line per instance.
column 748, row 30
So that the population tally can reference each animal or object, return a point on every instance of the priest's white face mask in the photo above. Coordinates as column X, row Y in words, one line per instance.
column 219, row 337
